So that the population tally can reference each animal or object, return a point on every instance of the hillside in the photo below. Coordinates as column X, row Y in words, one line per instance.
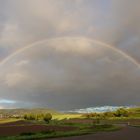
column 11, row 112
column 135, row 111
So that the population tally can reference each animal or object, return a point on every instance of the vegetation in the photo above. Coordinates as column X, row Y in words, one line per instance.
column 46, row 117
column 8, row 120
column 135, row 112
column 19, row 113
column 122, row 113
column 96, row 122
column 118, row 113
column 66, row 116
column 81, row 130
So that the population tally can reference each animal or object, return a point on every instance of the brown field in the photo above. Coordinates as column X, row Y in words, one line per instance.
column 19, row 127
column 127, row 133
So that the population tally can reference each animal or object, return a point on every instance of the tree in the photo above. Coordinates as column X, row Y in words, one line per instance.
column 121, row 113
column 25, row 117
column 29, row 117
column 47, row 117
column 108, row 114
column 39, row 116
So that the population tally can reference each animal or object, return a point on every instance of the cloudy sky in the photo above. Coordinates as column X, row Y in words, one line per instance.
column 67, row 54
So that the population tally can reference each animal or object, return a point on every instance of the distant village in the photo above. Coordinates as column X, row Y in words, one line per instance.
column 4, row 116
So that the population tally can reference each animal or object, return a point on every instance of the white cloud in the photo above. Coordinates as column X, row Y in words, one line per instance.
column 5, row 101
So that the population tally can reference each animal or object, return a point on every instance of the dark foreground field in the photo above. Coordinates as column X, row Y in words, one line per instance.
column 127, row 133
column 20, row 127
column 72, row 129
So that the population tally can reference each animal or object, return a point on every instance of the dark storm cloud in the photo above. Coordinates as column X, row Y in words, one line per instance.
column 80, row 74
column 70, row 73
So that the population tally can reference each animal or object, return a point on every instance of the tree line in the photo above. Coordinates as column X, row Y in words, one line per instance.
column 121, row 112
column 45, row 117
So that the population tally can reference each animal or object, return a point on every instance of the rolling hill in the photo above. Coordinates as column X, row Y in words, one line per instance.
column 11, row 112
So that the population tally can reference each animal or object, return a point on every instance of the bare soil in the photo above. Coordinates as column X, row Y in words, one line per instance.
column 19, row 127
column 127, row 133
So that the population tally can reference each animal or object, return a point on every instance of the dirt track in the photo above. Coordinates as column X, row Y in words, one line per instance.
column 127, row 133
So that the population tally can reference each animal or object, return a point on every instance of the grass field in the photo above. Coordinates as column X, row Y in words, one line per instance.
column 8, row 120
column 66, row 116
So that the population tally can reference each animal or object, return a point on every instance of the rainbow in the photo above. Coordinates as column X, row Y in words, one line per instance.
column 131, row 59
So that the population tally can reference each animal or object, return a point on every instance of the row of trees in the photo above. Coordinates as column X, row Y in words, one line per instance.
column 119, row 113
column 46, row 117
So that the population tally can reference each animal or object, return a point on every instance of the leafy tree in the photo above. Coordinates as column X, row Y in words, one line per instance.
column 25, row 117
column 108, row 114
column 47, row 117
column 121, row 113
column 30, row 117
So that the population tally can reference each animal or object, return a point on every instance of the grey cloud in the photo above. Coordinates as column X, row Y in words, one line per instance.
column 115, row 22
column 37, row 20
column 121, row 26
column 99, row 75
column 67, row 73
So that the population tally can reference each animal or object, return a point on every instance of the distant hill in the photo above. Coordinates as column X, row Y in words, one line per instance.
column 11, row 112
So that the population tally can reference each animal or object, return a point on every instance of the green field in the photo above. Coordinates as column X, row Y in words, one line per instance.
column 66, row 116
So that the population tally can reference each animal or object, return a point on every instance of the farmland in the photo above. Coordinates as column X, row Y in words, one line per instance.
column 63, row 125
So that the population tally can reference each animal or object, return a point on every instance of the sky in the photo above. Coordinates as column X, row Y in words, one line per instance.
column 69, row 54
